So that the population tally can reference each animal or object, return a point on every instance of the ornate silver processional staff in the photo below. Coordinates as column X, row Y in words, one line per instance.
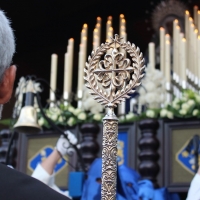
column 111, row 80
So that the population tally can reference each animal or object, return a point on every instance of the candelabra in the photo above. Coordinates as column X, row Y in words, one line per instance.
column 111, row 80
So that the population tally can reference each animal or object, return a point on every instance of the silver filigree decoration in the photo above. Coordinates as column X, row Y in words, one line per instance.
column 110, row 81
column 109, row 159
column 113, row 79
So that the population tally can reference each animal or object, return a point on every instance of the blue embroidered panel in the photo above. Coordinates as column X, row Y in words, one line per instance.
column 122, row 148
column 43, row 154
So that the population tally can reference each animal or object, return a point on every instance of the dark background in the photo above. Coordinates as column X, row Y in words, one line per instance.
column 43, row 27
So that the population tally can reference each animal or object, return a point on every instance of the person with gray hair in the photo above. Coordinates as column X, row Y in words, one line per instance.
column 14, row 184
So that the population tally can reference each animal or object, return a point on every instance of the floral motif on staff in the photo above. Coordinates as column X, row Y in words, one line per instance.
column 113, row 79
column 110, row 81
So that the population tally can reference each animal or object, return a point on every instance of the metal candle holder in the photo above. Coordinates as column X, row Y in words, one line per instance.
column 111, row 80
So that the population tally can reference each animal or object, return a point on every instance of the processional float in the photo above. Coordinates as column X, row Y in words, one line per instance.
column 111, row 80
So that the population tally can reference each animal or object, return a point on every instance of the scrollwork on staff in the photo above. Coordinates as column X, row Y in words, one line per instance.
column 111, row 80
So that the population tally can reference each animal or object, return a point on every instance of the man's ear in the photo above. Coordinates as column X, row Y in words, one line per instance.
column 7, row 83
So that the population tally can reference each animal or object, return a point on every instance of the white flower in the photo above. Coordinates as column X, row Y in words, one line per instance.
column 150, row 97
column 54, row 110
column 77, row 111
column 176, row 100
column 54, row 117
column 41, row 121
column 154, row 91
column 191, row 102
column 176, row 106
column 121, row 118
column 163, row 113
column 150, row 86
column 89, row 104
column 195, row 112
column 197, row 97
column 97, row 117
column 96, row 109
column 170, row 115
column 185, row 106
column 183, row 112
column 61, row 119
column 130, row 115
column 71, row 109
column 184, row 99
column 142, row 99
column 82, row 116
column 150, row 113
column 71, row 121
column 141, row 91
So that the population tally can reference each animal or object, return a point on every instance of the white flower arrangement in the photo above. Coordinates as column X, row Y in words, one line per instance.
column 68, row 116
column 89, row 104
column 188, row 106
column 152, row 93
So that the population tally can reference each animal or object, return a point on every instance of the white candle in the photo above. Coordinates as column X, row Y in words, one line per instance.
column 175, row 48
column 121, row 17
column 53, row 76
column 195, row 10
column 98, row 27
column 179, row 68
column 189, row 46
column 167, row 62
column 65, row 93
column 191, row 51
column 198, row 57
column 187, row 15
column 183, row 62
column 81, row 66
column 68, row 66
column 152, row 55
column 108, row 25
column 195, row 56
column 162, row 49
column 198, row 20
column 95, row 38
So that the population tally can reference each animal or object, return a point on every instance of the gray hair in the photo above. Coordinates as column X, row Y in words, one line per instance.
column 7, row 43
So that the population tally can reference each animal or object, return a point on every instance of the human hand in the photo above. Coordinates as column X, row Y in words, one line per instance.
column 71, row 137
column 64, row 147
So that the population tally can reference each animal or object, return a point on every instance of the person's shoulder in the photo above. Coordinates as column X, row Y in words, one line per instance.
column 17, row 185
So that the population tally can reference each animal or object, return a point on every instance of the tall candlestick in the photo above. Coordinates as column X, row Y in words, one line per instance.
column 198, row 58
column 81, row 65
column 65, row 87
column 191, row 51
column 175, row 48
column 187, row 15
column 95, row 38
column 167, row 62
column 195, row 10
column 195, row 56
column 98, row 26
column 198, row 20
column 183, row 62
column 152, row 55
column 162, row 50
column 68, row 69
column 120, row 23
column 179, row 68
column 53, row 77
column 108, row 25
